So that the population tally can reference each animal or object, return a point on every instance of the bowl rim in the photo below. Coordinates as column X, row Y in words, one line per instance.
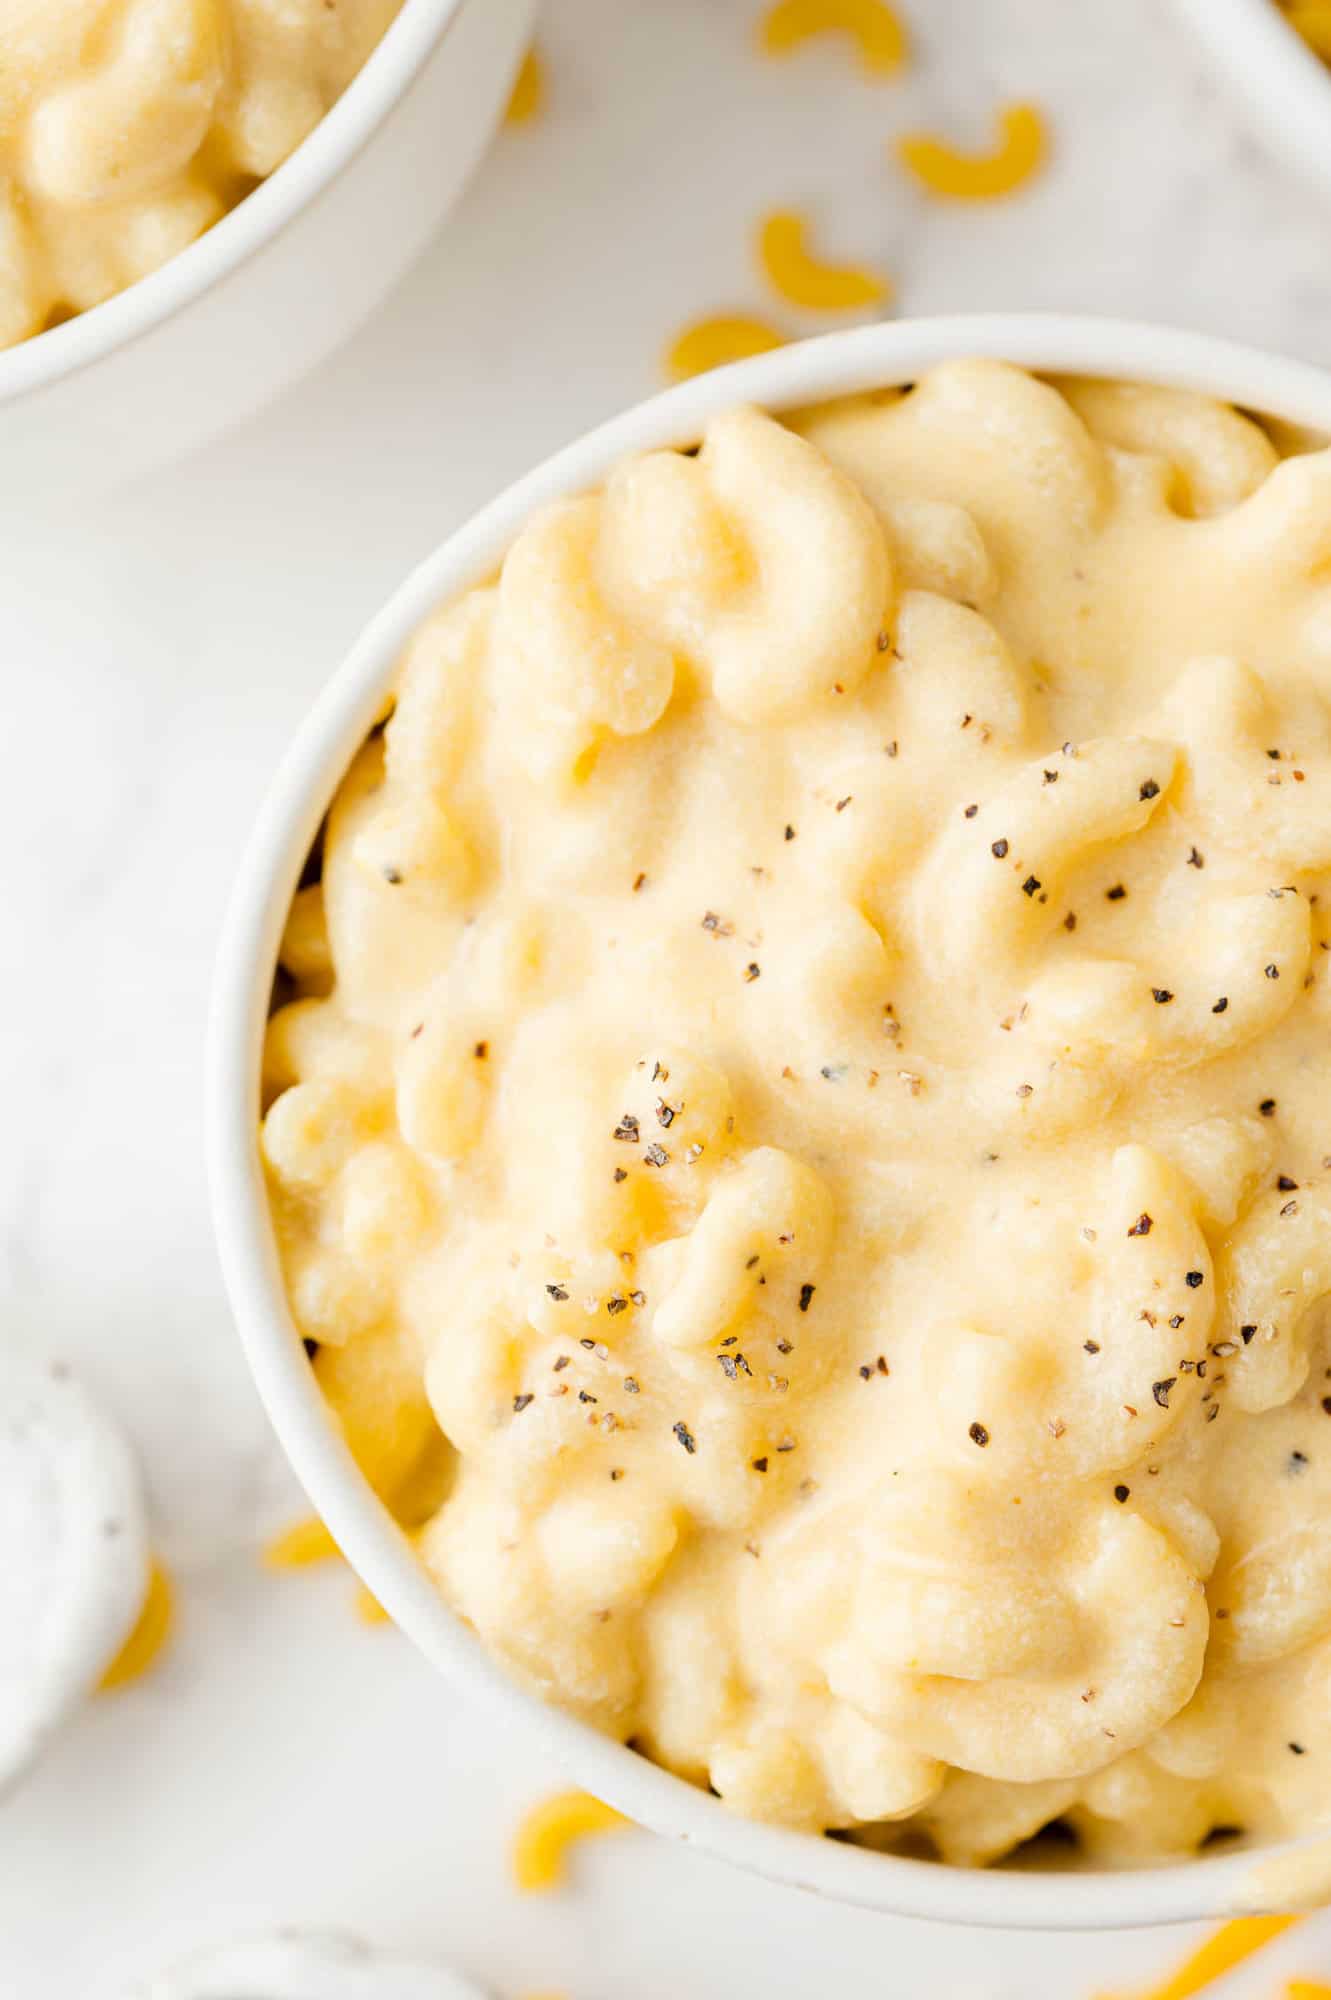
column 1266, row 62
column 47, row 358
column 800, row 374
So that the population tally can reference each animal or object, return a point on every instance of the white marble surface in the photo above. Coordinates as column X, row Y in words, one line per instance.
column 286, row 1763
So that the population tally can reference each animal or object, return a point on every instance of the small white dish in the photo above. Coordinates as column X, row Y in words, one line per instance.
column 73, row 1552
column 305, row 1965
column 809, row 372
column 278, row 282
column 1284, row 88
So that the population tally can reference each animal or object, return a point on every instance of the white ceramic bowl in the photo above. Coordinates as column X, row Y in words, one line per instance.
column 278, row 282
column 1284, row 87
column 867, row 358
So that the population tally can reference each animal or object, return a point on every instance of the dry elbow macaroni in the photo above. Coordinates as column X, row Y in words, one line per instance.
column 803, row 1080
column 127, row 127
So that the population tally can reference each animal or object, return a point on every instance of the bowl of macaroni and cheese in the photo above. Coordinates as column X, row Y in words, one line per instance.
column 770, row 1126
column 200, row 198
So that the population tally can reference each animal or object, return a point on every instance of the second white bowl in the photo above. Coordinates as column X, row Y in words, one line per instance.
column 280, row 281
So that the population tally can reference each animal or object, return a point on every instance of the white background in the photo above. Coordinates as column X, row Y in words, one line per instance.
column 286, row 1763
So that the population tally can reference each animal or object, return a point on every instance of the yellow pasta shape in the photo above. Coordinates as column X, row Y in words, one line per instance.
column 958, row 176
column 877, row 32
column 1307, row 1989
column 711, row 343
column 528, row 97
column 550, row 1829
column 303, row 1543
column 1312, row 20
column 368, row 1608
column 149, row 1636
column 799, row 278
column 1220, row 1953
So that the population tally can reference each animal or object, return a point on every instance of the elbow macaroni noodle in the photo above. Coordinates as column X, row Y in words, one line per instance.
column 797, row 1117
column 127, row 127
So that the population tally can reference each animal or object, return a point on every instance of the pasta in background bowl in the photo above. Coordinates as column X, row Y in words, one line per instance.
column 798, row 628
column 201, row 198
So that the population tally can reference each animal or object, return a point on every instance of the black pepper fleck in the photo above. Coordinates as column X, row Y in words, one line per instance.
column 686, row 1437
column 806, row 1296
column 978, row 1435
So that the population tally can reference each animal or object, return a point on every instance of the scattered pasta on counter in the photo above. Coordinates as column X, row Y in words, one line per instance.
column 148, row 1639
column 545, row 1835
column 528, row 98
column 1312, row 20
column 1307, row 1989
column 958, row 176
column 876, row 30
column 302, row 1544
column 799, row 278
column 368, row 1608
column 1219, row 1954
column 713, row 342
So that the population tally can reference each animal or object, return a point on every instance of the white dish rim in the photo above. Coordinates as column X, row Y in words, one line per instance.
column 346, row 127
column 807, row 372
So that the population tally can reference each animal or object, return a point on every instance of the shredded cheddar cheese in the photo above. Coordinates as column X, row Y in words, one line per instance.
column 1312, row 20
column 711, row 343
column 877, row 32
column 1218, row 1954
column 300, row 1545
column 958, row 176
column 802, row 280
column 149, row 1636
column 544, row 1837
column 528, row 96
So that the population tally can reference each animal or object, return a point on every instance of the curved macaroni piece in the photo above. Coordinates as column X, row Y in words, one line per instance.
column 797, row 276
column 718, row 340
column 1217, row 457
column 22, row 303
column 974, row 1821
column 147, row 1642
column 1311, row 19
column 750, row 603
column 527, row 99
column 874, row 27
column 300, row 1545
column 937, row 547
column 1116, row 1373
column 991, row 889
column 1249, row 952
column 1019, row 460
column 142, row 113
column 958, row 176
column 794, row 637
column 549, row 1830
column 1220, row 1953
column 1124, row 1600
column 1227, row 725
column 1273, row 1270
column 956, row 675
column 373, row 1386
column 574, row 671
column 770, row 1219
column 431, row 727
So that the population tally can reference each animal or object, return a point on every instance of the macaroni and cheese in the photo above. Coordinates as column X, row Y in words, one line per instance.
column 127, row 127
column 797, row 1113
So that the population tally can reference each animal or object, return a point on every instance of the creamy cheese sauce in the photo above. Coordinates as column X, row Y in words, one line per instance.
column 127, row 127
column 799, row 1118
